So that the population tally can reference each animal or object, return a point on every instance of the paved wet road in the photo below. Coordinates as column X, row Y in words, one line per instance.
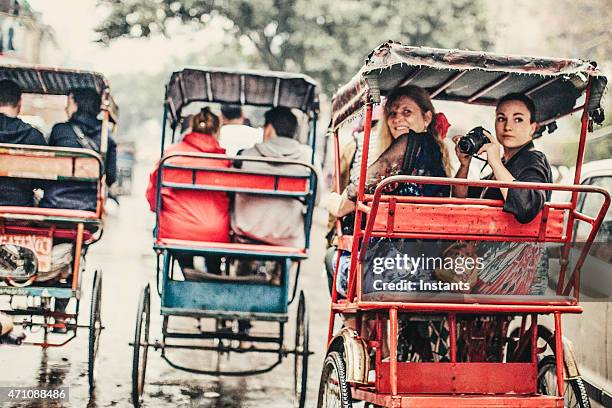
column 128, row 262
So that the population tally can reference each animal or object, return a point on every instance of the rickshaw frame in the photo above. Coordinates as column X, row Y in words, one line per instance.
column 225, row 299
column 363, row 92
column 82, row 227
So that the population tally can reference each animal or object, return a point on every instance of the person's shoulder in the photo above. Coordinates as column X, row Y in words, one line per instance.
column 60, row 131
column 534, row 156
column 61, row 127
column 250, row 151
column 37, row 134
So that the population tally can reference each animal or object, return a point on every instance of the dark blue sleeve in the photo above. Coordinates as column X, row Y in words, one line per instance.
column 37, row 138
column 63, row 135
column 111, row 162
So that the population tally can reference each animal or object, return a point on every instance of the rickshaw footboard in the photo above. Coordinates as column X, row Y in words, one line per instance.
column 458, row 400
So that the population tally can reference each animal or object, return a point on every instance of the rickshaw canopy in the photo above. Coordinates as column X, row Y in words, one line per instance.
column 473, row 77
column 59, row 81
column 245, row 87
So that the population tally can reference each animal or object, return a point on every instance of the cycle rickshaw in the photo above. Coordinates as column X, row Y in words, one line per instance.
column 219, row 299
column 484, row 365
column 28, row 234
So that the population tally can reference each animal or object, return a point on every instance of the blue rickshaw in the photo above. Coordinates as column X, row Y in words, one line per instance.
column 217, row 300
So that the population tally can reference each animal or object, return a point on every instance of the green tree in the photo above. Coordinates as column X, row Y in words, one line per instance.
column 325, row 39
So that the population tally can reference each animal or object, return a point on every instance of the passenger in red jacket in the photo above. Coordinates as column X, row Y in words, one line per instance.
column 188, row 214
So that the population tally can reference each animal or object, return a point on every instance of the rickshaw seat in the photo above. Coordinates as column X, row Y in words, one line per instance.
column 231, row 180
column 235, row 180
column 476, row 221
column 246, row 250
column 7, row 211
column 49, row 163
column 412, row 297
column 43, row 221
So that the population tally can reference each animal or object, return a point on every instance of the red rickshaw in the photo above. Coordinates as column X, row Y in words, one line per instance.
column 28, row 234
column 498, row 354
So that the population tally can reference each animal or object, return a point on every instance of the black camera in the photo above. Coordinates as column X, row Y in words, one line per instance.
column 473, row 141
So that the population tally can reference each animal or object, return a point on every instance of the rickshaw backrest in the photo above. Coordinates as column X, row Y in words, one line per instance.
column 483, row 222
column 212, row 178
column 197, row 174
column 49, row 163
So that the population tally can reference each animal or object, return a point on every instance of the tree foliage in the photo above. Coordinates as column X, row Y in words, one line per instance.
column 325, row 39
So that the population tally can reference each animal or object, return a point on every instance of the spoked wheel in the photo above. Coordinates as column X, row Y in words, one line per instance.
column 301, row 353
column 95, row 326
column 334, row 391
column 141, row 345
column 575, row 391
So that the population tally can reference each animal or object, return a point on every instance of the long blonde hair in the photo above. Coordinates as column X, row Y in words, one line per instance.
column 419, row 96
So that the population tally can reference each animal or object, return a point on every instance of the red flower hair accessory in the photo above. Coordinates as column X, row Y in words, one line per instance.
column 441, row 125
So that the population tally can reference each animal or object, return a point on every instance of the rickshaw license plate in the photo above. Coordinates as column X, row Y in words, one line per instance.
column 41, row 246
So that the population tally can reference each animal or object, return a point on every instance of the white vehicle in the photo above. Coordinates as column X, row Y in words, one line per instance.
column 591, row 334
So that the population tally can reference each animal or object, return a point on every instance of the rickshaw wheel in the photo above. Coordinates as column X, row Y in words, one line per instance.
column 575, row 391
column 543, row 335
column 334, row 390
column 95, row 326
column 301, row 353
column 141, row 340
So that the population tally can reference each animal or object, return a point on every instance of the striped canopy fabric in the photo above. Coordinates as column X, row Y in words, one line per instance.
column 256, row 88
column 473, row 77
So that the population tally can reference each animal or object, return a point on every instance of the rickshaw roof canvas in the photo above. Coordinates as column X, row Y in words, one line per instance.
column 241, row 87
column 471, row 77
column 57, row 81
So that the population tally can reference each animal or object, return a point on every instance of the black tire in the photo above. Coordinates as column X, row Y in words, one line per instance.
column 334, row 391
column 575, row 391
column 544, row 336
column 141, row 345
column 302, row 353
column 95, row 326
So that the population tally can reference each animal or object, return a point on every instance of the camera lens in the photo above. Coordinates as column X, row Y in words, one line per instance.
column 466, row 145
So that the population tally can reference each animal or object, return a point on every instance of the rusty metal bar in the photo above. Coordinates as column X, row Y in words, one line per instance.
column 488, row 88
column 454, row 78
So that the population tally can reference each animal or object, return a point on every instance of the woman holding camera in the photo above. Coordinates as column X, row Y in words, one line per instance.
column 515, row 126
column 510, row 268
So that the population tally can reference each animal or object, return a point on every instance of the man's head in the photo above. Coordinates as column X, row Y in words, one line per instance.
column 279, row 121
column 232, row 114
column 10, row 97
column 83, row 100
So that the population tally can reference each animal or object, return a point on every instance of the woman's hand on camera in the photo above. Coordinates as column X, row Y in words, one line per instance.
column 464, row 159
column 493, row 151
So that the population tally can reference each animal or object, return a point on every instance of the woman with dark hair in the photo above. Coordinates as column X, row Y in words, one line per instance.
column 511, row 268
column 82, row 130
column 515, row 127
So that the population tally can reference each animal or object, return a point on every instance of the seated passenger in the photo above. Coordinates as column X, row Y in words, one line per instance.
column 411, row 144
column 515, row 126
column 235, row 133
column 18, row 192
column 511, row 267
column 189, row 214
column 251, row 215
column 83, row 130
